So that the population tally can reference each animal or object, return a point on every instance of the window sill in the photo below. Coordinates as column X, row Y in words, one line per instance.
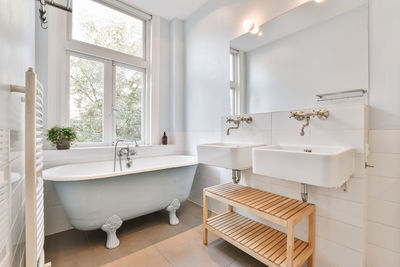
column 56, row 157
column 85, row 148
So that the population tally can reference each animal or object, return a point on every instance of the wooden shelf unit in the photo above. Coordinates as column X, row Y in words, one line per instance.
column 264, row 243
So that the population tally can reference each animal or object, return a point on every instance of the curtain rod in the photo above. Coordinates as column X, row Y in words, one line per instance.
column 43, row 11
column 67, row 8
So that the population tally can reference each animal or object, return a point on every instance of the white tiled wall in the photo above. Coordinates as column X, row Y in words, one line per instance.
column 14, row 173
column 205, row 175
column 257, row 132
column 17, row 54
column 384, row 199
column 341, row 216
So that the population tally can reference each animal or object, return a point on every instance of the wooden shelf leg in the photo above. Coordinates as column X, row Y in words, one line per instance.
column 230, row 208
column 205, row 218
column 311, row 237
column 290, row 245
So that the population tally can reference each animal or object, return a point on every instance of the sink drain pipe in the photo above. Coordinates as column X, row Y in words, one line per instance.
column 236, row 176
column 304, row 192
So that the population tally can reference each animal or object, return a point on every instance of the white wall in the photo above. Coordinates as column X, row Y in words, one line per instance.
column 165, row 76
column 384, row 64
column 384, row 179
column 17, row 53
column 177, row 75
column 328, row 57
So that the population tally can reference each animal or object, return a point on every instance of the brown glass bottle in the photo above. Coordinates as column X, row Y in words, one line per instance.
column 164, row 140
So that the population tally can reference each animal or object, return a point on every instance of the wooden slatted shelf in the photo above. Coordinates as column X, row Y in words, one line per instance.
column 253, row 237
column 268, row 245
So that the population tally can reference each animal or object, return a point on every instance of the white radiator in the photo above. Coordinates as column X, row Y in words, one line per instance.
column 34, row 212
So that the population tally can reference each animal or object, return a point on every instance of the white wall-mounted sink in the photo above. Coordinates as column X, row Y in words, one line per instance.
column 313, row 165
column 226, row 155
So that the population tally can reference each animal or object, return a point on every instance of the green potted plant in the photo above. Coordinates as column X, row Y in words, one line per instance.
column 61, row 137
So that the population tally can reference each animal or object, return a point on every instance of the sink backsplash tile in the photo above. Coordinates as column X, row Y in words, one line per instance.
column 345, row 117
column 345, row 126
column 257, row 132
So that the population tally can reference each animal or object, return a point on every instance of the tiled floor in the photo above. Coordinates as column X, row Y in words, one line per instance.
column 147, row 241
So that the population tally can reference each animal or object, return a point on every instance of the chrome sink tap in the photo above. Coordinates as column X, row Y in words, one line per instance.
column 237, row 122
column 322, row 114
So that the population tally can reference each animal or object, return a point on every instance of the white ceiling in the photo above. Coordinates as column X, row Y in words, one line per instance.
column 168, row 9
column 295, row 20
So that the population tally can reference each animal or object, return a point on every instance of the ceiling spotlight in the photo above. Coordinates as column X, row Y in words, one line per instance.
column 318, row 1
column 260, row 34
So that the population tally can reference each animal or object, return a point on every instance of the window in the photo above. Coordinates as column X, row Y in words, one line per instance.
column 234, row 82
column 108, row 74
column 97, row 24
column 86, row 98
column 129, row 90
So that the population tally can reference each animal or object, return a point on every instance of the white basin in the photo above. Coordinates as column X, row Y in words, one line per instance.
column 226, row 155
column 323, row 166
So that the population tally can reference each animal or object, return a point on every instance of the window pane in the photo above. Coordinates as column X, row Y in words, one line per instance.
column 86, row 98
column 232, row 100
column 231, row 67
column 100, row 25
column 129, row 85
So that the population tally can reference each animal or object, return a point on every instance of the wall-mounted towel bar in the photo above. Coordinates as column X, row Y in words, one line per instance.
column 17, row 88
column 341, row 95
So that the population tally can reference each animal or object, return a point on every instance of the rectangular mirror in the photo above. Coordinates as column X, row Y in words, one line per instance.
column 316, row 48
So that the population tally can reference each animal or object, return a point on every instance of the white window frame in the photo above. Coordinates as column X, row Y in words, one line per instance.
column 144, row 97
column 107, row 96
column 235, row 83
column 111, row 58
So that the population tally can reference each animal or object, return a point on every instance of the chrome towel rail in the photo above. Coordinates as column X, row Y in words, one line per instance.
column 341, row 95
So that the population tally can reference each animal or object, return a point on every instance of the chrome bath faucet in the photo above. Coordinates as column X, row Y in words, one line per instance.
column 124, row 151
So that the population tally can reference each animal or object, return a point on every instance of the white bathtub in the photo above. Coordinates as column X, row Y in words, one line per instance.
column 94, row 196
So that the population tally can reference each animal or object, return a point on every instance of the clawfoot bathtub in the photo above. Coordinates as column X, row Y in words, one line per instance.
column 94, row 196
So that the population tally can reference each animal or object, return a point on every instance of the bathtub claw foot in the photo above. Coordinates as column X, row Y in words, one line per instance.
column 172, row 208
column 110, row 227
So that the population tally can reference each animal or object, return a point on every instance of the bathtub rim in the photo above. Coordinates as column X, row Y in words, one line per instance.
column 192, row 161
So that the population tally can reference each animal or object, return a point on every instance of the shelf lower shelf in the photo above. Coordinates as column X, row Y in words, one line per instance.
column 266, row 244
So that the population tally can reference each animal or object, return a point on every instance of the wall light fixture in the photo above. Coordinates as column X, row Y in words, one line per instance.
column 250, row 26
